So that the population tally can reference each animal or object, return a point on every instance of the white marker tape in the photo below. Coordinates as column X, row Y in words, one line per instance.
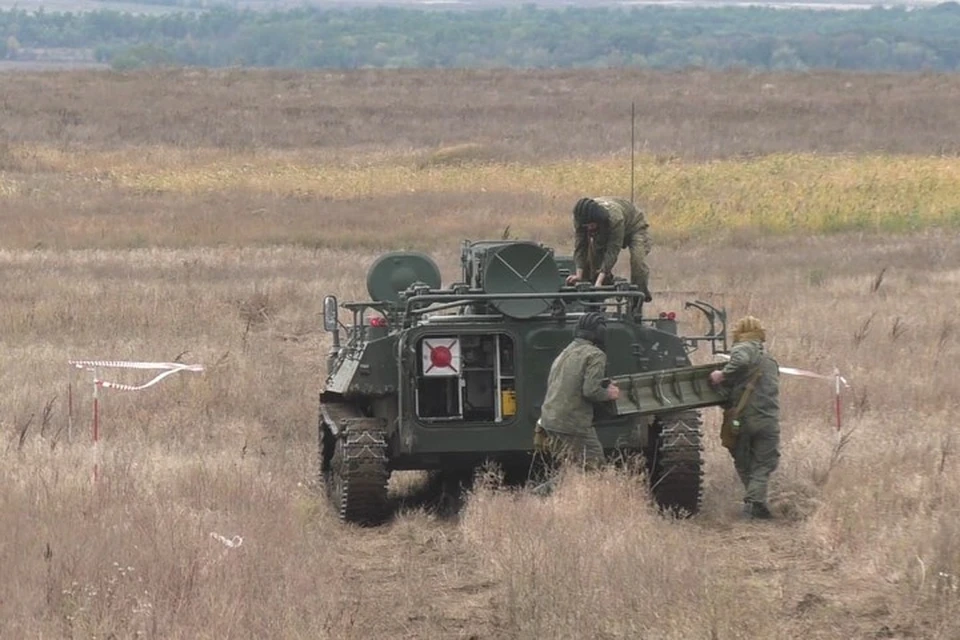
column 120, row 364
column 804, row 373
column 231, row 543
column 168, row 368
column 94, row 366
column 792, row 371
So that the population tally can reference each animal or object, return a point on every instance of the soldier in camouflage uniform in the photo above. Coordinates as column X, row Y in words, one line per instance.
column 751, row 370
column 576, row 381
column 603, row 226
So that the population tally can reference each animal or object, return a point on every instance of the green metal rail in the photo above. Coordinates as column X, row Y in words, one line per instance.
column 668, row 390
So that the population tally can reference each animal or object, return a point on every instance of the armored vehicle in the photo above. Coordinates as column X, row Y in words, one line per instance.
column 448, row 378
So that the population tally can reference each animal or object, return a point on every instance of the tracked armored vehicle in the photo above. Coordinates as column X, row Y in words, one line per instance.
column 448, row 378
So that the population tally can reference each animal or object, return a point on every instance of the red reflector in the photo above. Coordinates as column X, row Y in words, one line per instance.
column 441, row 357
column 671, row 316
column 378, row 322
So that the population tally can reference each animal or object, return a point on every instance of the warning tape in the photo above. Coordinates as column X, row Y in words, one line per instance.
column 791, row 371
column 804, row 373
column 168, row 368
column 94, row 366
column 230, row 543
column 120, row 364
column 130, row 387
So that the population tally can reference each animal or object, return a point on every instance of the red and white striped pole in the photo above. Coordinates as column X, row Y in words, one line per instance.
column 70, row 405
column 96, row 425
column 839, row 409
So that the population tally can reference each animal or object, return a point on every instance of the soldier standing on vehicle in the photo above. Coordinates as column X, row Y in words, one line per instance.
column 603, row 226
column 751, row 430
column 575, row 382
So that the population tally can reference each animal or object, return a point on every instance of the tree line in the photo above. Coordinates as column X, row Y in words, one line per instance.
column 891, row 39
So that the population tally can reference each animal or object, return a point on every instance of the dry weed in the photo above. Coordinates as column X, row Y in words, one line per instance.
column 216, row 242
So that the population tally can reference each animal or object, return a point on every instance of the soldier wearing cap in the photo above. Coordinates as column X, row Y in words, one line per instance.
column 751, row 382
column 576, row 381
column 603, row 226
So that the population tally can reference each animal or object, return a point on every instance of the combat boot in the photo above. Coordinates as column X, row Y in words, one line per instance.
column 756, row 511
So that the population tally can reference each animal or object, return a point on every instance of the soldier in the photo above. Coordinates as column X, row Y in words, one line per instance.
column 576, row 381
column 603, row 227
column 751, row 381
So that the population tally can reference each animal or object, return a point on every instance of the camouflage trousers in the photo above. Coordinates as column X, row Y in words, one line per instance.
column 756, row 456
column 639, row 245
column 583, row 451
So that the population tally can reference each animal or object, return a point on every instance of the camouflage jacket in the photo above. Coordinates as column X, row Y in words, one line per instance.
column 626, row 220
column 573, row 385
column 745, row 357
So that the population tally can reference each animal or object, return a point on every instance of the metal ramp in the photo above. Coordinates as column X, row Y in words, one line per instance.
column 667, row 390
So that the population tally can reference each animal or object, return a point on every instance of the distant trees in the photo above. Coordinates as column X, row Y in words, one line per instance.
column 525, row 36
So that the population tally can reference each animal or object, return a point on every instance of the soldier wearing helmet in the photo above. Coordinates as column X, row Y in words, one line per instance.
column 751, row 381
column 576, row 381
column 603, row 226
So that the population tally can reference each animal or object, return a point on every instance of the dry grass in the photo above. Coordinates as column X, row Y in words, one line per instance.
column 202, row 158
column 541, row 115
column 862, row 544
column 867, row 543
column 182, row 198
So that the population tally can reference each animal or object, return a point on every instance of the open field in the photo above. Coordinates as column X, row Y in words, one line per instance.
column 521, row 115
column 818, row 152
column 156, row 215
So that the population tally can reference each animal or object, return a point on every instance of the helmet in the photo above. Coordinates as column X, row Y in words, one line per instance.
column 748, row 328
column 593, row 327
column 588, row 210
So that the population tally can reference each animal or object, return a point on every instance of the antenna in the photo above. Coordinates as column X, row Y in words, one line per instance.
column 632, row 120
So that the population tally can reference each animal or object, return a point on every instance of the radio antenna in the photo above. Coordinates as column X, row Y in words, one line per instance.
column 632, row 120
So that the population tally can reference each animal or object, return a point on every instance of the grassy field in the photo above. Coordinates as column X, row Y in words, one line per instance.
column 204, row 215
column 782, row 193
